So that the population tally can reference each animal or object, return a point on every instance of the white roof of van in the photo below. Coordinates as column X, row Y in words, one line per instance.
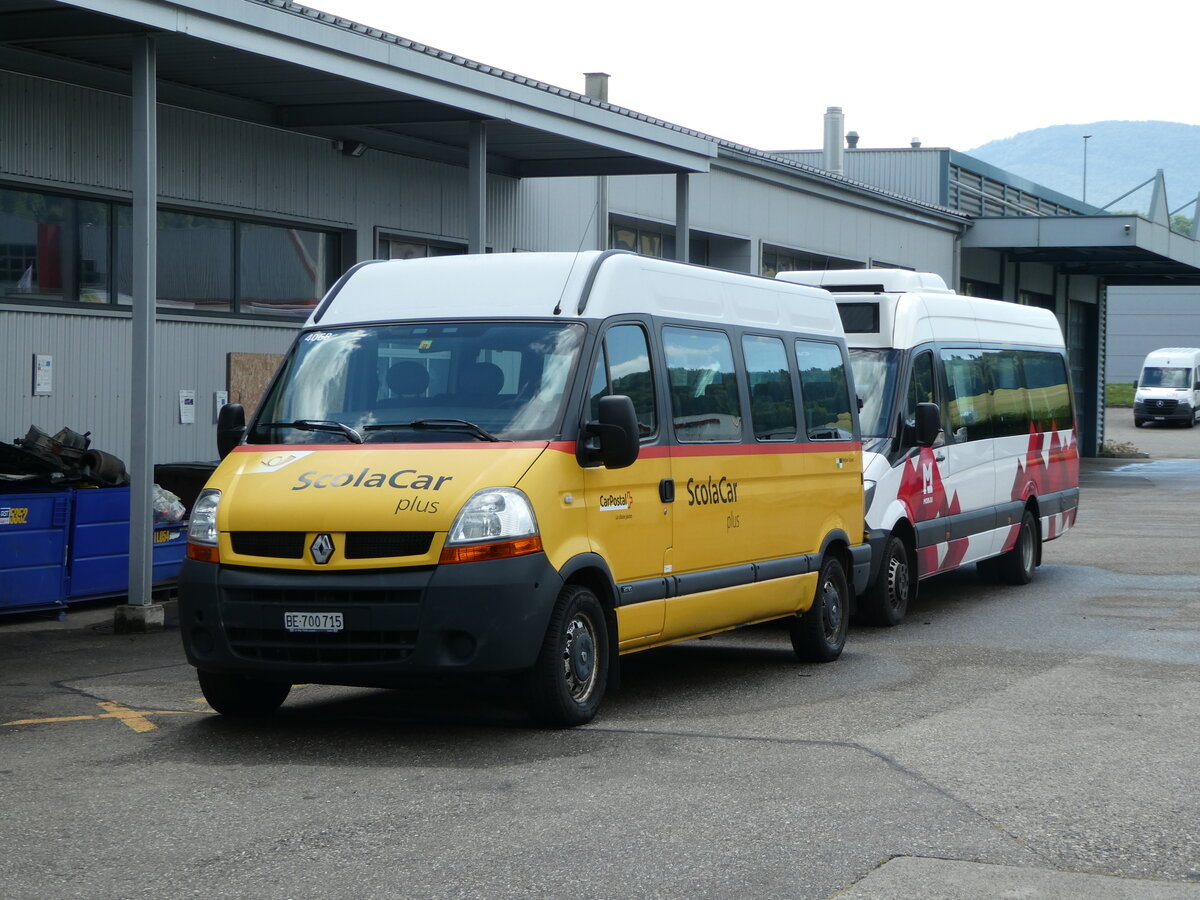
column 916, row 307
column 522, row 285
column 866, row 281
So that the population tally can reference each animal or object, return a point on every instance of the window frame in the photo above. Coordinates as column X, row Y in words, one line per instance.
column 113, row 211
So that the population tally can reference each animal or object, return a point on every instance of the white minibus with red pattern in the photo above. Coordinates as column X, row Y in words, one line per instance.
column 970, row 451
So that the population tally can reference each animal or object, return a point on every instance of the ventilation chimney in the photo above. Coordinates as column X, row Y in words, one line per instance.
column 596, row 85
column 851, row 139
column 915, row 143
column 835, row 124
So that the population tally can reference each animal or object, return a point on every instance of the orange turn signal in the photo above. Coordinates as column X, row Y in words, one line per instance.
column 203, row 553
column 499, row 550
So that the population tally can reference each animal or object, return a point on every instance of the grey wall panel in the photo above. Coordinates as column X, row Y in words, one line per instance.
column 903, row 171
column 91, row 377
column 1141, row 319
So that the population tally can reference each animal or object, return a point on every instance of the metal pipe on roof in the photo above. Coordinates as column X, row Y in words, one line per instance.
column 835, row 124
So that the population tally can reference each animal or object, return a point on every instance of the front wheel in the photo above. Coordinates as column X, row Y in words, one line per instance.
column 1017, row 565
column 820, row 634
column 566, row 685
column 241, row 697
column 886, row 600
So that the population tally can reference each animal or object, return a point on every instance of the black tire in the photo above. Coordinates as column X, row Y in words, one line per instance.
column 1017, row 565
column 820, row 634
column 566, row 685
column 241, row 697
column 1139, row 423
column 886, row 600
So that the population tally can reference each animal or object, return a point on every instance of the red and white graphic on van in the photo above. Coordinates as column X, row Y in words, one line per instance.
column 925, row 497
column 1051, row 465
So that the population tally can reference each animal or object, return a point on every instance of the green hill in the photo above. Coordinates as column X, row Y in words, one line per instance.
column 1120, row 156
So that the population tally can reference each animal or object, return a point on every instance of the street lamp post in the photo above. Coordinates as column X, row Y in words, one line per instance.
column 1086, row 138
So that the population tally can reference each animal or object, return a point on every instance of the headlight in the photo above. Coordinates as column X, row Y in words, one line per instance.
column 493, row 524
column 202, row 527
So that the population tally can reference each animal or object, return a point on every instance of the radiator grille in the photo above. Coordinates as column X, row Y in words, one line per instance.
column 357, row 544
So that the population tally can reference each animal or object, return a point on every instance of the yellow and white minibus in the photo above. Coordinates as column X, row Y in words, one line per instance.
column 970, row 451
column 528, row 464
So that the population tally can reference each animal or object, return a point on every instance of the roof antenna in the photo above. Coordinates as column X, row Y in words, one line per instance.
column 578, row 250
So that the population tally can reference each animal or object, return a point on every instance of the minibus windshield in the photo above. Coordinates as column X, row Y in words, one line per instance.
column 422, row 382
column 875, row 381
column 1165, row 377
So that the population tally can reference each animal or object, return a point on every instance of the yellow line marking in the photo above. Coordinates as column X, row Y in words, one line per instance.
column 133, row 718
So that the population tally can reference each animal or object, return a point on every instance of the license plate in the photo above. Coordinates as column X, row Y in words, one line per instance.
column 312, row 621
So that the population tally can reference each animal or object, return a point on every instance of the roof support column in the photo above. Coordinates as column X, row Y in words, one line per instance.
column 140, row 614
column 682, row 213
column 477, row 188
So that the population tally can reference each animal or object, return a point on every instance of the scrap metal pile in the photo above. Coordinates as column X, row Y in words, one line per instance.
column 63, row 458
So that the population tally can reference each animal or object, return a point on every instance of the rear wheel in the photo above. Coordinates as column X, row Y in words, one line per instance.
column 886, row 600
column 1017, row 565
column 241, row 697
column 567, row 683
column 820, row 634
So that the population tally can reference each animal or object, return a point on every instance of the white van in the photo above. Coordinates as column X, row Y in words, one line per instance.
column 1168, row 389
column 969, row 444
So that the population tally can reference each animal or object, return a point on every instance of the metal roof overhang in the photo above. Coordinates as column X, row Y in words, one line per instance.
column 1121, row 249
column 277, row 64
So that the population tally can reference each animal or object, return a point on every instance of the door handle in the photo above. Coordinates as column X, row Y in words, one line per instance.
column 666, row 490
column 941, row 457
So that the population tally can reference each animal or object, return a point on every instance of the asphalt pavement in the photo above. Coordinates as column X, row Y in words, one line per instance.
column 1033, row 742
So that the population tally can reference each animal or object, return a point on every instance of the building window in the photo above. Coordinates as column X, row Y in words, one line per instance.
column 397, row 247
column 779, row 259
column 71, row 250
column 653, row 239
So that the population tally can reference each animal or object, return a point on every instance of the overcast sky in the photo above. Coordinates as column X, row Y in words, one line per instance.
column 953, row 74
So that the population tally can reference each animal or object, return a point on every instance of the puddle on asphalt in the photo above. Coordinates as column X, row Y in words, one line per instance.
column 1180, row 474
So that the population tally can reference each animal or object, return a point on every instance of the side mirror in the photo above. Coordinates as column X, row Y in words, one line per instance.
column 928, row 424
column 616, row 431
column 231, row 428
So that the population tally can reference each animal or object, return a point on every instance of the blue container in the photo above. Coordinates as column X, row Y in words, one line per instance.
column 33, row 549
column 99, row 545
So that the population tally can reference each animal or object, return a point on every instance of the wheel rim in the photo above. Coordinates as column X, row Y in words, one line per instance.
column 579, row 657
column 831, row 610
column 897, row 582
column 1027, row 547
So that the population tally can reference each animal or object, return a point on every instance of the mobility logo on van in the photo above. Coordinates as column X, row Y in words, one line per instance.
column 706, row 493
column 401, row 479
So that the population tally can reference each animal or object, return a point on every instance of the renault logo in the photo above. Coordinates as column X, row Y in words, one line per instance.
column 321, row 549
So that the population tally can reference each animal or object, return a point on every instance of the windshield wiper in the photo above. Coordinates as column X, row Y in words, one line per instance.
column 319, row 425
column 439, row 425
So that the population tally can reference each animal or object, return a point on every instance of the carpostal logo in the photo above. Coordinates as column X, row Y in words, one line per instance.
column 714, row 490
column 616, row 501
column 400, row 480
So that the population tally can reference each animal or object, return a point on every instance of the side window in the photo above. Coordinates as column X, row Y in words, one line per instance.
column 772, row 402
column 1049, row 393
column 623, row 367
column 921, row 380
column 825, row 391
column 1010, row 399
column 704, row 394
column 968, row 400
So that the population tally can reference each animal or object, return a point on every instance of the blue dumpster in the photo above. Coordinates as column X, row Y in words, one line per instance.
column 98, row 565
column 33, row 549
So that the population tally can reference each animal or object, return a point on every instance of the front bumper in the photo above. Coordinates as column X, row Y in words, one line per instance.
column 1171, row 411
column 469, row 618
